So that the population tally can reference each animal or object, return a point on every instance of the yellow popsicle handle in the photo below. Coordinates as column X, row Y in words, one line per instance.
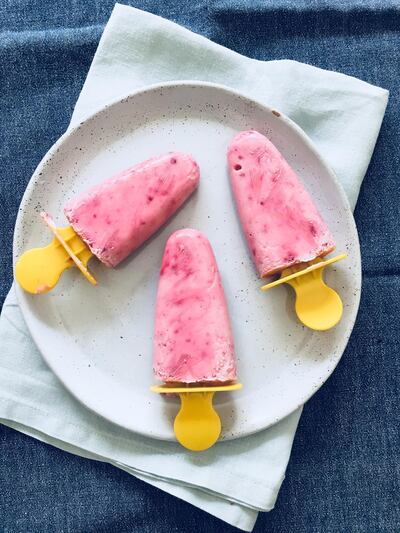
column 197, row 426
column 38, row 270
column 33, row 271
column 317, row 306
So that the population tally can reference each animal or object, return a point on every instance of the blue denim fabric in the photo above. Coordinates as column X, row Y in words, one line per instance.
column 344, row 472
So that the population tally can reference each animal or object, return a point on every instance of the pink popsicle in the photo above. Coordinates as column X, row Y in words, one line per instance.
column 118, row 215
column 281, row 223
column 193, row 339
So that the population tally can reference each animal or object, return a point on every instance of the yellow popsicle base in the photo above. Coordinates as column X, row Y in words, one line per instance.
column 197, row 426
column 317, row 306
column 38, row 270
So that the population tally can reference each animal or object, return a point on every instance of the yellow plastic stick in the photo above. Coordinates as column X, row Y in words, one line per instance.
column 317, row 306
column 197, row 426
column 38, row 270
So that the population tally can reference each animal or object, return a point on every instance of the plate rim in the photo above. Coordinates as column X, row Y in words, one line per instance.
column 198, row 84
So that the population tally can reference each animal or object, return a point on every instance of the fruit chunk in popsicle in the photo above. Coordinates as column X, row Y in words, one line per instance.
column 118, row 215
column 281, row 223
column 193, row 339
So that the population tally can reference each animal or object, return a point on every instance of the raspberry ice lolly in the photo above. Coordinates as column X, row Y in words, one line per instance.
column 118, row 215
column 110, row 220
column 192, row 340
column 281, row 223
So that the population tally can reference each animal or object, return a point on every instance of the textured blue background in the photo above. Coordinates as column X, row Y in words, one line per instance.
column 344, row 472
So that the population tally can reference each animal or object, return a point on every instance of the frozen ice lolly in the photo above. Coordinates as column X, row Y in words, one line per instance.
column 193, row 339
column 118, row 215
column 281, row 223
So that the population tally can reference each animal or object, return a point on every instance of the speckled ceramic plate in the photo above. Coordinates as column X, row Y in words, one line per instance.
column 98, row 341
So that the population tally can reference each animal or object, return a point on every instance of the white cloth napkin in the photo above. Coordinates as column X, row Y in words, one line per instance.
column 342, row 115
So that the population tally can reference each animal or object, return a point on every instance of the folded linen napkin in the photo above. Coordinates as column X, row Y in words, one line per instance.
column 233, row 480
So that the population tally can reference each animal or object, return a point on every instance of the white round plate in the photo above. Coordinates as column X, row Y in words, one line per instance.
column 98, row 341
